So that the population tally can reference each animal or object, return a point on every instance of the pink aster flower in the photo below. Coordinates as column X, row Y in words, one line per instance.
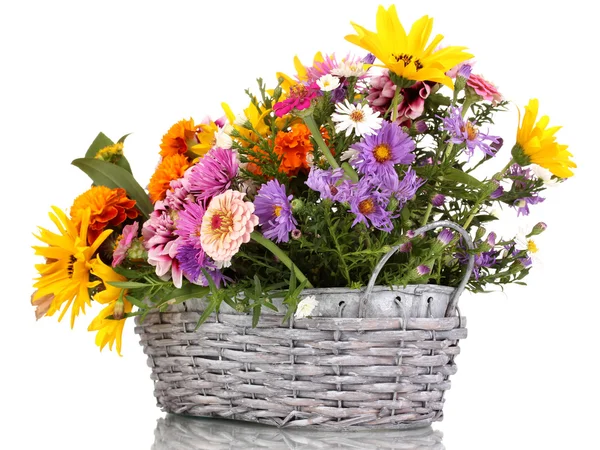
column 129, row 234
column 161, row 243
column 213, row 175
column 226, row 225
column 484, row 88
column 299, row 99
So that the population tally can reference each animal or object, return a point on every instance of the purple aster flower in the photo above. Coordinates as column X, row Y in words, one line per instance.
column 213, row 175
column 378, row 153
column 193, row 260
column 423, row 270
column 526, row 262
column 464, row 131
column 484, row 259
column 404, row 189
column 445, row 236
column 369, row 205
column 438, row 200
column 274, row 211
column 188, row 224
column 325, row 181
column 522, row 204
column 338, row 94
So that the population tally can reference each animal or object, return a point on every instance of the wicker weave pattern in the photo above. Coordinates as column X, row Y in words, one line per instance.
column 333, row 373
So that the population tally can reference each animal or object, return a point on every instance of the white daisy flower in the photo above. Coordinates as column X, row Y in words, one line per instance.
column 306, row 306
column 222, row 139
column 522, row 242
column 328, row 83
column 349, row 69
column 358, row 118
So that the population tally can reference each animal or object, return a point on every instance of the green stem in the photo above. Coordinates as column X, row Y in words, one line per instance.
column 395, row 102
column 272, row 247
column 316, row 134
column 491, row 185
column 337, row 246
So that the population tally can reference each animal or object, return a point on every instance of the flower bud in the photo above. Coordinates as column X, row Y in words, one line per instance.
column 119, row 310
column 539, row 228
column 297, row 205
column 438, row 200
column 423, row 270
column 296, row 234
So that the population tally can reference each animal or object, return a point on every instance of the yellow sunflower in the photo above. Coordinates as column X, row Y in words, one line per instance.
column 409, row 56
column 536, row 144
column 65, row 274
column 109, row 330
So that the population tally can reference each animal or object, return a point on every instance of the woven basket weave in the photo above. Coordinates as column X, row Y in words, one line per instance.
column 375, row 358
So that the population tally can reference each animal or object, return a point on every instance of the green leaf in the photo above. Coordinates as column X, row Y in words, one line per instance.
column 256, row 314
column 459, row 176
column 124, row 164
column 130, row 273
column 128, row 284
column 188, row 292
column 122, row 140
column 136, row 302
column 99, row 143
column 112, row 176
column 210, row 308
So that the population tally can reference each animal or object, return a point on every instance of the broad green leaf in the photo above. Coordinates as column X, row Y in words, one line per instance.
column 459, row 176
column 107, row 174
column 124, row 164
column 99, row 143
column 256, row 314
column 122, row 140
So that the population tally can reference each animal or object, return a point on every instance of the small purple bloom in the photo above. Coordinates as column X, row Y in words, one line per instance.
column 213, row 175
column 423, row 270
column 410, row 234
column 369, row 205
column 338, row 94
column 274, row 211
column 522, row 204
column 325, row 181
column 405, row 189
column 445, row 236
column 296, row 234
column 192, row 259
column 421, row 126
column 369, row 58
column 379, row 153
column 464, row 131
column 406, row 247
column 438, row 200
column 464, row 71
column 497, row 193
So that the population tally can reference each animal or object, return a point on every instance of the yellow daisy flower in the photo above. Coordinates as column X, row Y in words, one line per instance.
column 65, row 274
column 408, row 55
column 109, row 330
column 536, row 144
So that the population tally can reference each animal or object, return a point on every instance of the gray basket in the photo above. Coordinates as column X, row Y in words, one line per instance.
column 367, row 359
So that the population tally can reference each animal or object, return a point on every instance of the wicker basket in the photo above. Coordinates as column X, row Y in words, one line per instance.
column 374, row 358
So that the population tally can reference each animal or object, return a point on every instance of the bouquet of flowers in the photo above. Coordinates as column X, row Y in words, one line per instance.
column 309, row 186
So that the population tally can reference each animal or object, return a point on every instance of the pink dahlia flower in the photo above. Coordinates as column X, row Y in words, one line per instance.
column 226, row 225
column 484, row 88
column 129, row 234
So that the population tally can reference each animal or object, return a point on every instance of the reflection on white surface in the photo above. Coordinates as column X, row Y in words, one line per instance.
column 185, row 433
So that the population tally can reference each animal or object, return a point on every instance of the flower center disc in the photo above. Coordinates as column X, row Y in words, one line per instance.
column 277, row 210
column 366, row 206
column 357, row 116
column 382, row 153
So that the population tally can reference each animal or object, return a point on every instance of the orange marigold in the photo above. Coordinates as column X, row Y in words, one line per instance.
column 179, row 138
column 109, row 208
column 294, row 146
column 170, row 168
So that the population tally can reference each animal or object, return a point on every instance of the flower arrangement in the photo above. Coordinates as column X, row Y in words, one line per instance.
column 309, row 186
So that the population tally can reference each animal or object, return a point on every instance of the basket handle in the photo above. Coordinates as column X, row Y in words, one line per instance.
column 458, row 291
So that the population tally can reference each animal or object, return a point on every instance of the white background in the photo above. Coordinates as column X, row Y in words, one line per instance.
column 527, row 376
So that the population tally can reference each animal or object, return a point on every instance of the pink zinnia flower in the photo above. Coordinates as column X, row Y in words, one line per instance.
column 129, row 234
column 484, row 88
column 299, row 99
column 226, row 225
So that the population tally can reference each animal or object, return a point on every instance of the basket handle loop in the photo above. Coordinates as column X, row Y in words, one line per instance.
column 457, row 292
